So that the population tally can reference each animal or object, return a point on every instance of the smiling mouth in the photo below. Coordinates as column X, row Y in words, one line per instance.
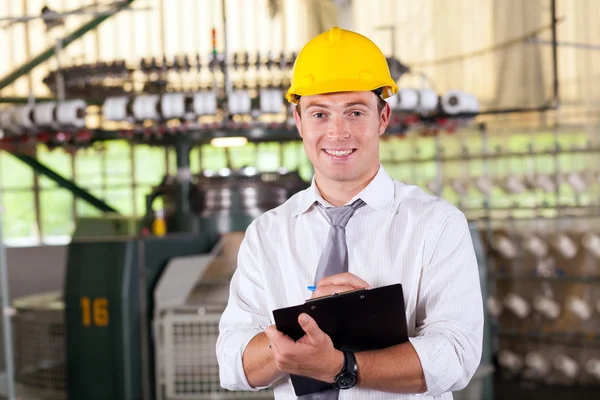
column 339, row 153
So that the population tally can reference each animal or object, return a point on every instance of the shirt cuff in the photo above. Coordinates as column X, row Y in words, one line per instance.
column 234, row 378
column 433, row 354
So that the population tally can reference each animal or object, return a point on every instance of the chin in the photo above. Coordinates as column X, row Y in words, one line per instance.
column 342, row 176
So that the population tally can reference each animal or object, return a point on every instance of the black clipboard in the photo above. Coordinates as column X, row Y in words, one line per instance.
column 360, row 320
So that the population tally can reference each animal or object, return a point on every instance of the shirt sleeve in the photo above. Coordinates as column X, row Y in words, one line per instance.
column 449, row 313
column 245, row 315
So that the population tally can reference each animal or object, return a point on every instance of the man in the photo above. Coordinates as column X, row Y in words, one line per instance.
column 397, row 234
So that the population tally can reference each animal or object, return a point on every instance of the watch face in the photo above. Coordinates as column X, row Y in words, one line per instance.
column 345, row 381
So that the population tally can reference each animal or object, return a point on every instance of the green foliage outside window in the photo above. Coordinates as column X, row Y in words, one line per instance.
column 109, row 172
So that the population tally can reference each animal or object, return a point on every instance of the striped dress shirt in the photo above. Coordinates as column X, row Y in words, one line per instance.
column 402, row 235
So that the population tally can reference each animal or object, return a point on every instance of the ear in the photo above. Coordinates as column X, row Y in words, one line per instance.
column 384, row 119
column 298, row 120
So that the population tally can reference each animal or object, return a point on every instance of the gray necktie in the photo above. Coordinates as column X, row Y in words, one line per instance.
column 334, row 260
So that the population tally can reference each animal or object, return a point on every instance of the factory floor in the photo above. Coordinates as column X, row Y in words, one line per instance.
column 503, row 390
column 517, row 390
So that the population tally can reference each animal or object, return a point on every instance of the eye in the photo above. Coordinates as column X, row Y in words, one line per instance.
column 319, row 115
column 357, row 113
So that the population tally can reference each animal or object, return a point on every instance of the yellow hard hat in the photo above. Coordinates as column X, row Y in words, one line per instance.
column 340, row 61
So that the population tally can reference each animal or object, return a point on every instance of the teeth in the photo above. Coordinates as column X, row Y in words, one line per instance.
column 338, row 153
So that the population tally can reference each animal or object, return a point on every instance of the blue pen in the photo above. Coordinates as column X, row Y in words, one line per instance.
column 312, row 288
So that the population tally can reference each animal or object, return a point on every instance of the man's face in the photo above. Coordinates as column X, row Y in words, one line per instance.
column 341, row 134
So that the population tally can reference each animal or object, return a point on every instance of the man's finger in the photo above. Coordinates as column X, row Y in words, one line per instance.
column 309, row 326
column 330, row 289
column 275, row 337
column 345, row 278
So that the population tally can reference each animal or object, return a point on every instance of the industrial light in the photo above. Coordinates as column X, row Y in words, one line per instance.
column 234, row 141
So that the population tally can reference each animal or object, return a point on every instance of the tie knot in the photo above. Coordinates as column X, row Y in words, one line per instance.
column 339, row 216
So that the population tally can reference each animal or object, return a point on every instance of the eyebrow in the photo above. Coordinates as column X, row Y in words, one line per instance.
column 350, row 104
column 309, row 105
column 357, row 103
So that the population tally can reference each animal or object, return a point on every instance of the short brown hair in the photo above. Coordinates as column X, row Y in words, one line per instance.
column 380, row 105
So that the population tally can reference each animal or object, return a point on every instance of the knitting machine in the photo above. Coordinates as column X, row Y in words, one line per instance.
column 125, row 279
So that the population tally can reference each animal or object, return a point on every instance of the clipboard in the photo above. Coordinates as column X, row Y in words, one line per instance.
column 359, row 320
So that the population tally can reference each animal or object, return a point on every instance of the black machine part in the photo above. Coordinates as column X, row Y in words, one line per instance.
column 235, row 195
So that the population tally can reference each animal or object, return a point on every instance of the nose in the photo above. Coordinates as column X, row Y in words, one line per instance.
column 338, row 128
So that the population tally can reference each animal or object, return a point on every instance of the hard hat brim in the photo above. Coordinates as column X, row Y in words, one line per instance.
column 341, row 85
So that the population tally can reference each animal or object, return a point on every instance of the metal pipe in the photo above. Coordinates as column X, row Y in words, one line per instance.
column 25, row 100
column 65, row 183
column 67, row 40
column 144, row 323
column 184, row 177
column 6, row 318
column 556, row 103
column 60, row 82
column 555, row 88
column 574, row 45
column 517, row 110
column 226, row 75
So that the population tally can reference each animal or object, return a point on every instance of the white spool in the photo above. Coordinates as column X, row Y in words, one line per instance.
column 22, row 119
column 5, row 119
column 536, row 246
column 547, row 307
column 546, row 267
column 71, row 113
column 471, row 104
column 407, row 99
column 485, row 185
column 579, row 307
column 494, row 306
column 517, row 304
column 592, row 366
column 459, row 186
column 115, row 108
column 566, row 246
column 566, row 365
column 452, row 102
column 276, row 101
column 239, row 102
column 591, row 242
column 504, row 246
column 576, row 181
column 510, row 360
column 537, row 363
column 457, row 102
column 43, row 114
column 428, row 100
column 205, row 103
column 512, row 184
column 146, row 107
column 172, row 105
column 545, row 183
column 270, row 101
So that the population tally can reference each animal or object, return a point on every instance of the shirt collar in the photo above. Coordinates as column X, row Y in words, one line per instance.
column 378, row 194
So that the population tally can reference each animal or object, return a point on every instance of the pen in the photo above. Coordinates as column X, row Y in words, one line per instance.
column 312, row 288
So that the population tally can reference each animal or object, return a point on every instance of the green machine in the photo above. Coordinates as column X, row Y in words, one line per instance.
column 108, row 308
column 114, row 264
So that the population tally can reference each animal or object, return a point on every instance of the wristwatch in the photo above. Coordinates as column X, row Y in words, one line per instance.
column 348, row 376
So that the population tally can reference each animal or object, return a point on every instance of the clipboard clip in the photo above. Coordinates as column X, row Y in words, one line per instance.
column 337, row 294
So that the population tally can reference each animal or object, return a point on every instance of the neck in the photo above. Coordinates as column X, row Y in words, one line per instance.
column 338, row 193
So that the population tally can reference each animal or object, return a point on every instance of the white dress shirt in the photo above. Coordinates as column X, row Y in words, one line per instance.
column 402, row 235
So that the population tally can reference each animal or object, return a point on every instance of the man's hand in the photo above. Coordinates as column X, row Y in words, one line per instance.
column 312, row 356
column 339, row 283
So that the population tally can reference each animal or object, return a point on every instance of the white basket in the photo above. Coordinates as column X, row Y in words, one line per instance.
column 186, row 361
